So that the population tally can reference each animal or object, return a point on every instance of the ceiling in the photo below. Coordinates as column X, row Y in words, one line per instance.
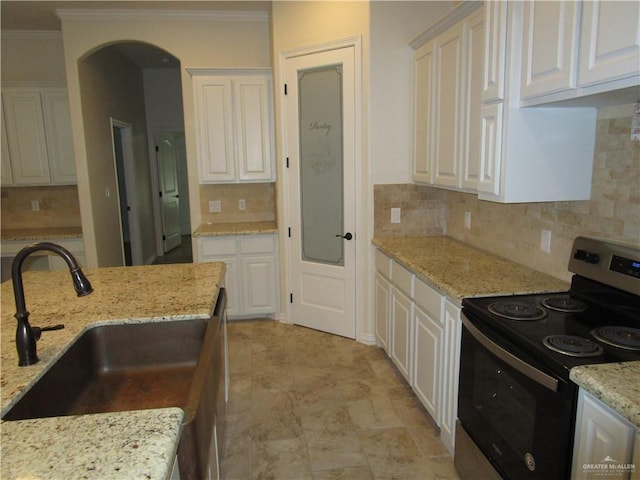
column 42, row 16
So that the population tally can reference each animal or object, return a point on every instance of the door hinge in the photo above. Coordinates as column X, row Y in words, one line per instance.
column 285, row 89
column 160, row 194
column 291, row 298
column 289, row 232
column 287, row 162
column 157, row 148
column 164, row 237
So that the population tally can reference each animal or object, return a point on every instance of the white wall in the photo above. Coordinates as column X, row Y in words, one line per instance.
column 393, row 25
column 197, row 40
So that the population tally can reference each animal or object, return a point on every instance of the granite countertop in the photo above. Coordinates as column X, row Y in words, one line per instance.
column 45, row 233
column 140, row 444
column 459, row 270
column 616, row 384
column 245, row 228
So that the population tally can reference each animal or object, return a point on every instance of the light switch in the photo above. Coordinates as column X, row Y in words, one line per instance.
column 545, row 240
column 35, row 205
column 467, row 220
column 242, row 204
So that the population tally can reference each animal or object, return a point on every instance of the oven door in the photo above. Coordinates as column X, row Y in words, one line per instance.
column 520, row 417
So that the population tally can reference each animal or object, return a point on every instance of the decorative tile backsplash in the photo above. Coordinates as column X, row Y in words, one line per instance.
column 58, row 207
column 259, row 200
column 513, row 231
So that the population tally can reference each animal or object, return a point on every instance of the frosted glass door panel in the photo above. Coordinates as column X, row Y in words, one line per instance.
column 321, row 165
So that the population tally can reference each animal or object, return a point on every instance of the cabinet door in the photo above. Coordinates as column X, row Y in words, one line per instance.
column 600, row 434
column 610, row 44
column 423, row 88
column 26, row 137
column 401, row 332
column 491, row 148
column 495, row 50
column 232, row 285
column 259, row 285
column 451, row 368
column 549, row 47
column 57, row 121
column 472, row 101
column 214, row 113
column 427, row 377
column 6, row 178
column 383, row 294
column 253, row 128
column 448, row 122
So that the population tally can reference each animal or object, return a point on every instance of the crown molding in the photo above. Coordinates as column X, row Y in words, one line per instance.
column 146, row 14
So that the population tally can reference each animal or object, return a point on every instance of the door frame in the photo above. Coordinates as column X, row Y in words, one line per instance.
column 363, row 216
column 126, row 133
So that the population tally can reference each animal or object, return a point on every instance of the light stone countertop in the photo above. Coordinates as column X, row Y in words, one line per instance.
column 91, row 442
column 225, row 229
column 616, row 384
column 459, row 270
column 38, row 234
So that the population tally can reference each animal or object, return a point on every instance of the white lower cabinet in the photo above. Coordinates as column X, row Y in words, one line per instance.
column 423, row 338
column 602, row 438
column 451, row 368
column 383, row 296
column 427, row 379
column 402, row 334
column 251, row 278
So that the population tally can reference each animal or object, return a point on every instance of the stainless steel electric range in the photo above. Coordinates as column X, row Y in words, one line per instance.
column 516, row 403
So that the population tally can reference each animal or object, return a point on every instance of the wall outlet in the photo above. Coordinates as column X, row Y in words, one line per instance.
column 545, row 240
column 35, row 205
column 215, row 206
column 395, row 215
column 467, row 220
column 242, row 204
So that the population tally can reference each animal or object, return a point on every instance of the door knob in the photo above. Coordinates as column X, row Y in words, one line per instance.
column 346, row 236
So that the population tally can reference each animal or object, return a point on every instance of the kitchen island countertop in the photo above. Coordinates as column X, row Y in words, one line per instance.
column 127, row 445
column 459, row 270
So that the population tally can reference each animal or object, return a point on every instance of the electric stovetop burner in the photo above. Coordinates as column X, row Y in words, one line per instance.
column 564, row 303
column 627, row 338
column 572, row 345
column 515, row 310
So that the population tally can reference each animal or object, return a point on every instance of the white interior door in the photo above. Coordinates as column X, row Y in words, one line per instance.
column 321, row 129
column 168, row 150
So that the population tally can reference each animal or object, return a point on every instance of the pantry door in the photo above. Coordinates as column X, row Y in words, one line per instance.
column 321, row 147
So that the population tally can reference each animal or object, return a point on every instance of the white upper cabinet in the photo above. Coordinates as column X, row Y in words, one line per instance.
column 549, row 47
column 39, row 143
column 575, row 49
column 610, row 45
column 447, row 92
column 530, row 154
column 495, row 36
column 234, row 126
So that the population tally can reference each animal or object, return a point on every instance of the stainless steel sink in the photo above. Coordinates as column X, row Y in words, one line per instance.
column 136, row 366
column 116, row 368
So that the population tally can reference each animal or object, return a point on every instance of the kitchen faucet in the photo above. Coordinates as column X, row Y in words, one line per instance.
column 26, row 336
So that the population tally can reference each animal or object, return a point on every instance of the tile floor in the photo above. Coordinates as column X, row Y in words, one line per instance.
column 308, row 405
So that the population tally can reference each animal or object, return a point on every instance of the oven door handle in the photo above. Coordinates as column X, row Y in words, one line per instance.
column 513, row 361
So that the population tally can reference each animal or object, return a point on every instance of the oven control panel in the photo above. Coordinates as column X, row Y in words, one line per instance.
column 615, row 264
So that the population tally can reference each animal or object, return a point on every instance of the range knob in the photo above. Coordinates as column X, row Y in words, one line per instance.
column 587, row 257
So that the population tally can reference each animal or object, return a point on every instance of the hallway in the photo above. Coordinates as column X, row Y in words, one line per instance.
column 181, row 254
column 309, row 405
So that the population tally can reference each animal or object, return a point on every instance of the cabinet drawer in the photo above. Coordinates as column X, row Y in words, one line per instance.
column 428, row 299
column 214, row 247
column 402, row 278
column 253, row 244
column 383, row 264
